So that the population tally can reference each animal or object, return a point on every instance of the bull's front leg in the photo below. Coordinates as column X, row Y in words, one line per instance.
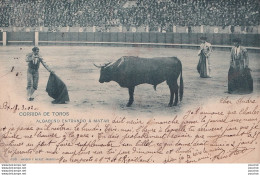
column 131, row 96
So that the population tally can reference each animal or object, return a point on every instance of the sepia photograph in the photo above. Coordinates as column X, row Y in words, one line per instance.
column 129, row 81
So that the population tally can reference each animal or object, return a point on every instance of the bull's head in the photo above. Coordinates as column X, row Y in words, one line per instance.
column 105, row 73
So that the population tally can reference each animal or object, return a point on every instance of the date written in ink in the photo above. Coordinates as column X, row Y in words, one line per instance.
column 16, row 107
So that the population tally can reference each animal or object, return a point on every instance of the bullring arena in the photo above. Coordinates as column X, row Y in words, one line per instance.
column 217, row 120
column 74, row 65
column 75, row 35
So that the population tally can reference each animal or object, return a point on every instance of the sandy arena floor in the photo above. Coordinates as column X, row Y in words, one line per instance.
column 74, row 65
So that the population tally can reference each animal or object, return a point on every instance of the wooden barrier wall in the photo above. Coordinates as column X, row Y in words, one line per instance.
column 66, row 38
column 20, row 38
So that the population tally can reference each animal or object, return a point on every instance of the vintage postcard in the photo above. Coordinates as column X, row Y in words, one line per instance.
column 129, row 81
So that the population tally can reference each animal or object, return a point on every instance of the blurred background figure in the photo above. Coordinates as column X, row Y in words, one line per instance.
column 204, row 67
column 239, row 74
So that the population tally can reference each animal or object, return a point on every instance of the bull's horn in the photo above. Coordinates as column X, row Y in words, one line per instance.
column 98, row 66
column 107, row 64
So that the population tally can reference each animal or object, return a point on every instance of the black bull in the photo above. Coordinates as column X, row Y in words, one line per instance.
column 131, row 71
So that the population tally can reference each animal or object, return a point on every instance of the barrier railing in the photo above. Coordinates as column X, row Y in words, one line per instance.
column 252, row 41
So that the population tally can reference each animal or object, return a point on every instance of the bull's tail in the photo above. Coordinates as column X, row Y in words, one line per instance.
column 181, row 84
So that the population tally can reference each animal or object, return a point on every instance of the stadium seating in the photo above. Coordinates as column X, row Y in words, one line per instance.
column 107, row 13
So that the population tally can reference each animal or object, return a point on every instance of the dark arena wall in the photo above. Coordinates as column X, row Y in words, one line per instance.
column 218, row 40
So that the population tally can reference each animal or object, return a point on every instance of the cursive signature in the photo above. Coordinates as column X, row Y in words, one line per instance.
column 232, row 152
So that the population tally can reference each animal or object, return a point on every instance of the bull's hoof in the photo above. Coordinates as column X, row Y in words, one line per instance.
column 174, row 104
column 170, row 105
column 129, row 104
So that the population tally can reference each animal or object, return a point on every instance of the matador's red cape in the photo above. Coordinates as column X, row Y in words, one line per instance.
column 57, row 89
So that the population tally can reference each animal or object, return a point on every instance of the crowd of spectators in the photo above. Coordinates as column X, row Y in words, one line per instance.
column 152, row 13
